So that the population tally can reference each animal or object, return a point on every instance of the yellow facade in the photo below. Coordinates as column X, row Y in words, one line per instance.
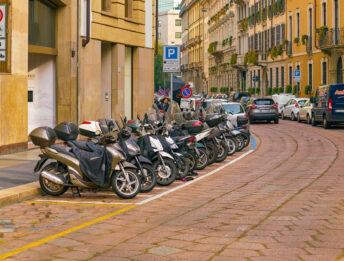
column 313, row 46
column 79, row 74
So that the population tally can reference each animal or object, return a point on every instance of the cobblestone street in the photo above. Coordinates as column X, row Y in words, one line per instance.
column 284, row 201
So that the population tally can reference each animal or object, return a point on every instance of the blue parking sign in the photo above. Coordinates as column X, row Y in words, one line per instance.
column 171, row 53
column 297, row 75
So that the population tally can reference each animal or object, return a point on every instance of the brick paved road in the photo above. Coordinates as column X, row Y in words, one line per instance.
column 283, row 202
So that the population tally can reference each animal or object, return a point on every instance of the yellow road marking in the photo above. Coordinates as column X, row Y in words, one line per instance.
column 80, row 203
column 63, row 233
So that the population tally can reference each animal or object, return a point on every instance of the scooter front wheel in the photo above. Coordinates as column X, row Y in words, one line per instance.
column 202, row 159
column 126, row 184
column 166, row 172
column 222, row 149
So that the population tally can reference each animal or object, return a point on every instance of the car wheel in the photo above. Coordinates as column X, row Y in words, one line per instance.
column 309, row 121
column 326, row 124
column 282, row 116
column 313, row 122
column 298, row 117
column 293, row 117
column 276, row 121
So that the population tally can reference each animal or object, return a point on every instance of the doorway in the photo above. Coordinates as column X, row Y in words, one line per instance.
column 41, row 91
column 106, row 77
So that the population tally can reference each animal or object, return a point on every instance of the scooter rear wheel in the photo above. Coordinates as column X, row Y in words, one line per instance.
column 212, row 152
column 232, row 146
column 222, row 149
column 49, row 187
column 202, row 159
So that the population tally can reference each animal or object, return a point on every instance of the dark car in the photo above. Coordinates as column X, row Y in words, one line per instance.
column 262, row 109
column 239, row 95
column 328, row 105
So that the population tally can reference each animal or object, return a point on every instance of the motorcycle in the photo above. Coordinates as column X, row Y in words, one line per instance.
column 68, row 169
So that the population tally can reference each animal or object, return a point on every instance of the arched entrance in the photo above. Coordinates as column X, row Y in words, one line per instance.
column 340, row 70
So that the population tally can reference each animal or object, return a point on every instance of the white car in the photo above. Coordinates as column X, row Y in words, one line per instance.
column 305, row 113
column 282, row 99
column 292, row 107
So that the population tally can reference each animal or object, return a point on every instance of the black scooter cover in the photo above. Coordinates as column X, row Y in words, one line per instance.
column 95, row 163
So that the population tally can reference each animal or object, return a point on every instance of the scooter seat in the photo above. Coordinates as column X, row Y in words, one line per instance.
column 63, row 149
column 79, row 144
column 180, row 139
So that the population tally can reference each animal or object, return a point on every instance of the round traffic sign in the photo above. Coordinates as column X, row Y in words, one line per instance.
column 1, row 15
column 186, row 92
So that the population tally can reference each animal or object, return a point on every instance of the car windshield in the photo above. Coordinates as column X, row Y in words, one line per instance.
column 264, row 102
column 233, row 108
column 302, row 102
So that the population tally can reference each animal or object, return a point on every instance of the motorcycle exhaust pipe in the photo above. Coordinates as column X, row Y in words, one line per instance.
column 51, row 177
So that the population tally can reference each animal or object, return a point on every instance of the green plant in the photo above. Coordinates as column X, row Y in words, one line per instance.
column 308, row 90
column 251, row 58
column 243, row 25
column 224, row 90
column 296, row 40
column 256, row 90
column 213, row 89
column 296, row 89
column 234, row 59
column 212, row 47
column 280, row 90
column 288, row 89
column 270, row 91
column 322, row 30
column 250, row 90
column 304, row 39
column 274, row 90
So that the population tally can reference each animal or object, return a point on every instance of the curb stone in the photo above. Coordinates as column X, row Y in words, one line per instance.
column 19, row 193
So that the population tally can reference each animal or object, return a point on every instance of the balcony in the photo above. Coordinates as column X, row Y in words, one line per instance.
column 327, row 39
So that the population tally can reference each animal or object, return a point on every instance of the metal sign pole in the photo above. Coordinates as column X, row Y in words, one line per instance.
column 171, row 87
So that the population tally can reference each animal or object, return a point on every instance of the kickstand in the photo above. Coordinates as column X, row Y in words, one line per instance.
column 76, row 192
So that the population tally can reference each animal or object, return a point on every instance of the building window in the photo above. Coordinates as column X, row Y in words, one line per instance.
column 42, row 23
column 178, row 22
column 277, row 77
column 159, row 35
column 178, row 35
column 310, row 74
column 290, row 75
column 128, row 9
column 106, row 5
column 270, row 77
column 324, row 14
column 282, row 76
column 298, row 25
column 324, row 73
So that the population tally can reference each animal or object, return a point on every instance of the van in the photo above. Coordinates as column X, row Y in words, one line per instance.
column 328, row 105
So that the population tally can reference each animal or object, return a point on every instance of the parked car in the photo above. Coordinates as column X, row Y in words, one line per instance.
column 282, row 99
column 237, row 111
column 292, row 107
column 262, row 109
column 328, row 106
column 305, row 113
column 239, row 95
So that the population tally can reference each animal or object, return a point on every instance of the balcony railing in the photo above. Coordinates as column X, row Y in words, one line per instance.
column 329, row 38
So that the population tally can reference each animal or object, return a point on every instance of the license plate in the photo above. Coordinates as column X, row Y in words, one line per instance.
column 339, row 110
column 265, row 110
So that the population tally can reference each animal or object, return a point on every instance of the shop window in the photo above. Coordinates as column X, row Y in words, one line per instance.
column 128, row 8
column 42, row 23
column 106, row 5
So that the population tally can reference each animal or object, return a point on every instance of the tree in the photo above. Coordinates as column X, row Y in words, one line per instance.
column 161, row 79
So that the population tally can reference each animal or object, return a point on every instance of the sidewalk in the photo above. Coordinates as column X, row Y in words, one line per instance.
column 17, row 168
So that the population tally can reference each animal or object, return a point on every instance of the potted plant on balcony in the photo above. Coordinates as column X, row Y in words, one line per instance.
column 308, row 90
column 304, row 39
column 234, row 59
column 322, row 31
column 296, row 40
column 213, row 89
column 280, row 90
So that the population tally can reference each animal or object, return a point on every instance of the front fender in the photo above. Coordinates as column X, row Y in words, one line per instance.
column 166, row 155
column 126, row 164
column 143, row 159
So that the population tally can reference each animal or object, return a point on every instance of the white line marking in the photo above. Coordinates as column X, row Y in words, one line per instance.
column 82, row 202
column 195, row 180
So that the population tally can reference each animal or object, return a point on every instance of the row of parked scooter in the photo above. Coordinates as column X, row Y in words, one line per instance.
column 133, row 156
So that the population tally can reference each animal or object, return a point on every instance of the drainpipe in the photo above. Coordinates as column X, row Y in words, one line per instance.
column 88, row 21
